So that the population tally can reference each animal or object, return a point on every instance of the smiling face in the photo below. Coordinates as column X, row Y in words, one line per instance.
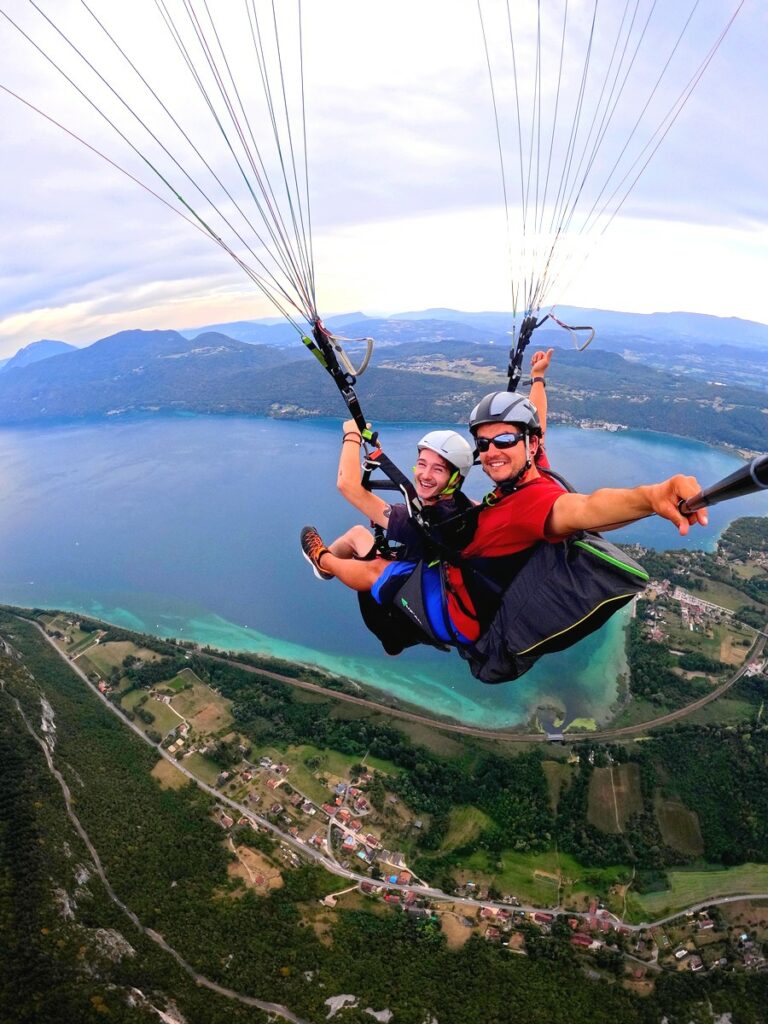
column 431, row 475
column 502, row 464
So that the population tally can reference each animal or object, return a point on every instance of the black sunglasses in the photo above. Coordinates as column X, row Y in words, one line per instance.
column 500, row 441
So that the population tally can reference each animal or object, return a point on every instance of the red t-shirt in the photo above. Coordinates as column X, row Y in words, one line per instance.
column 515, row 523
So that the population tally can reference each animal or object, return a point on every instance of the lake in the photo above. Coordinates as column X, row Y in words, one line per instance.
column 188, row 526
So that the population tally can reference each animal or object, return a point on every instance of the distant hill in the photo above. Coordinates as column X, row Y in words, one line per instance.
column 429, row 379
column 138, row 371
column 711, row 330
column 35, row 352
column 723, row 349
column 385, row 330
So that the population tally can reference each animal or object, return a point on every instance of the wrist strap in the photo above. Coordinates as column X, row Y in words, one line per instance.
column 351, row 436
column 538, row 380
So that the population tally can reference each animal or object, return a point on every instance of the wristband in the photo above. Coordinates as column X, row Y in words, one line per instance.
column 539, row 380
column 352, row 436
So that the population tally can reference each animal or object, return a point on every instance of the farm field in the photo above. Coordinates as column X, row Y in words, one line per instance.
column 725, row 710
column 165, row 718
column 543, row 879
column 559, row 777
column 184, row 679
column 207, row 712
column 168, row 776
column 111, row 655
column 81, row 642
column 466, row 824
column 614, row 796
column 202, row 767
column 690, row 887
column 720, row 593
column 679, row 826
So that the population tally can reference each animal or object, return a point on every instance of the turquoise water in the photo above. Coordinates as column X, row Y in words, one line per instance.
column 188, row 526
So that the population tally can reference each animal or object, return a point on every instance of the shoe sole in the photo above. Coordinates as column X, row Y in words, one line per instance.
column 324, row 576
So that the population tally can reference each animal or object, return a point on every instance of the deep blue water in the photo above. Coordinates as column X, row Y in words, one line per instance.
column 189, row 526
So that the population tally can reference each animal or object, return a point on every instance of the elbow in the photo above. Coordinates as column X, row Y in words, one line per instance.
column 347, row 488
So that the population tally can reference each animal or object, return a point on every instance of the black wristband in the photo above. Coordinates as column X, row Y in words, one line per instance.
column 538, row 380
column 352, row 436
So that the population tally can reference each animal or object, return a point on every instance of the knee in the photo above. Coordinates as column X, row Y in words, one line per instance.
column 361, row 539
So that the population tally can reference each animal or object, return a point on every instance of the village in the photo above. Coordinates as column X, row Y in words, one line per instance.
column 288, row 803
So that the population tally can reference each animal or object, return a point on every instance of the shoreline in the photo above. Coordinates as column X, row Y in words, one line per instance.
column 527, row 723
column 139, row 415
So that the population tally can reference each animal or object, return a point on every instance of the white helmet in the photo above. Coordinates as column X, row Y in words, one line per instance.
column 452, row 447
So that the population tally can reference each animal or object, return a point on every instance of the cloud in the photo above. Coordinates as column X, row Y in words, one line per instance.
column 405, row 182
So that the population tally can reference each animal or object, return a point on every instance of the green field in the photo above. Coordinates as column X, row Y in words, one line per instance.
column 724, row 711
column 202, row 768
column 184, row 679
column 332, row 764
column 541, row 878
column 165, row 718
column 720, row 593
column 111, row 655
column 82, row 641
column 690, row 887
column 466, row 824
column 637, row 712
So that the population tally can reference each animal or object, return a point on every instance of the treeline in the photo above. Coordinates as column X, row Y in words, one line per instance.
column 721, row 773
column 744, row 536
column 650, row 669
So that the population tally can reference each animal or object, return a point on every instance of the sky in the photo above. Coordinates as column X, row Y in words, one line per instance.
column 405, row 186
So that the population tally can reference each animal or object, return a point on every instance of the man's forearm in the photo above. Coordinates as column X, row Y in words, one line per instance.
column 609, row 506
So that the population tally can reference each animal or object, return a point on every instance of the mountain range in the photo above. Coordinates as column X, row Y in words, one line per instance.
column 428, row 366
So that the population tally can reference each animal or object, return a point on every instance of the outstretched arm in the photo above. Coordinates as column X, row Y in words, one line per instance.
column 610, row 507
column 348, row 478
column 538, row 394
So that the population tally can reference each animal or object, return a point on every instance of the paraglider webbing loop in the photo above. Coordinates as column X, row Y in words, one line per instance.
column 515, row 368
column 579, row 346
column 322, row 347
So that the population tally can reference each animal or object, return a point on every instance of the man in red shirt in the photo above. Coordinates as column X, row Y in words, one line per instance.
column 527, row 507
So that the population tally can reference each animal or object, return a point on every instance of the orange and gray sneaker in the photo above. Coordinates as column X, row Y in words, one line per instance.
column 313, row 549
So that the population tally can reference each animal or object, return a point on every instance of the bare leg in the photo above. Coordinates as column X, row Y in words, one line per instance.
column 353, row 574
column 356, row 541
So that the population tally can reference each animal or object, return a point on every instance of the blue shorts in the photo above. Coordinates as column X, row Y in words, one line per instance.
column 386, row 586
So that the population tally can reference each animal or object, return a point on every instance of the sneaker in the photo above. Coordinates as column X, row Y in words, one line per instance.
column 313, row 549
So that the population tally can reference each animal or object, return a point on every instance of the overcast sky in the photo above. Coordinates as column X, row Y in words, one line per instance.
column 405, row 185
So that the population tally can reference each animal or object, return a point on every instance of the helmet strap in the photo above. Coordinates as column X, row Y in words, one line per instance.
column 454, row 484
